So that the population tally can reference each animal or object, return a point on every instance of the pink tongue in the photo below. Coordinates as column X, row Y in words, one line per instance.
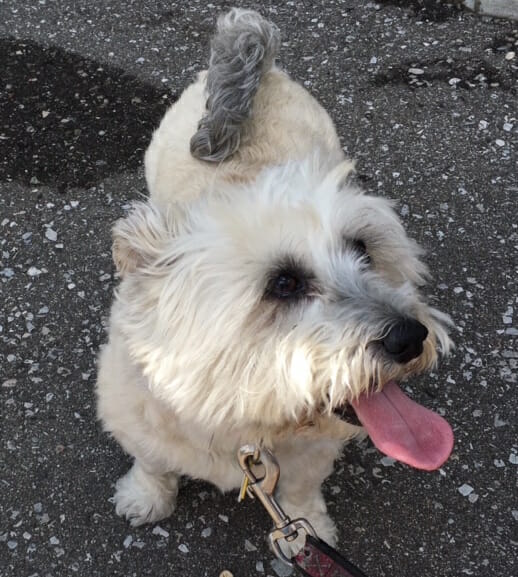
column 404, row 430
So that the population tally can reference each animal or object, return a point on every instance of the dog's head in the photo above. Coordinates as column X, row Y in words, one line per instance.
column 265, row 303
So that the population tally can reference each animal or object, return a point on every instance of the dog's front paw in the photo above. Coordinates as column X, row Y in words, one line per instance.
column 291, row 548
column 324, row 528
column 144, row 498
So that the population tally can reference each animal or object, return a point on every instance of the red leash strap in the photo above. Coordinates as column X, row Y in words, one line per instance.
column 318, row 559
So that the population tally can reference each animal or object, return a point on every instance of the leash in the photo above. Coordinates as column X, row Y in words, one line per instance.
column 317, row 558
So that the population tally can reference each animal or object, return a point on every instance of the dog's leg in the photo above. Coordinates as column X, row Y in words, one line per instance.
column 304, row 467
column 145, row 497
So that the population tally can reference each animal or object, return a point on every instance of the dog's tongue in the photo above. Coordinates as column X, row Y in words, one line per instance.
column 404, row 430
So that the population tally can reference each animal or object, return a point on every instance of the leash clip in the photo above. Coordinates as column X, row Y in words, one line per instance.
column 263, row 488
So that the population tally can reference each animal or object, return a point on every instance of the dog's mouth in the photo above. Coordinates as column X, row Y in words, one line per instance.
column 346, row 413
column 401, row 428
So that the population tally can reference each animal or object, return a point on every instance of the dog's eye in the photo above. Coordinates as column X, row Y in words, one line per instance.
column 360, row 248
column 286, row 285
column 290, row 280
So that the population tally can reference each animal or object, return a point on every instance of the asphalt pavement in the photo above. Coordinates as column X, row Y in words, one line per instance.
column 425, row 98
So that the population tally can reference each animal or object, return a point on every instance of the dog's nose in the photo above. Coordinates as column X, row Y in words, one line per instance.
column 404, row 341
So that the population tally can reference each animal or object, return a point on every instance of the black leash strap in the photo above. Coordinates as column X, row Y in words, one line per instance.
column 318, row 559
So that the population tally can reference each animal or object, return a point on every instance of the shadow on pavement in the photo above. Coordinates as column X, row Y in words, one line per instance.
column 70, row 121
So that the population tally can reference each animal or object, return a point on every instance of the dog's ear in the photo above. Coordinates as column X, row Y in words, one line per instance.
column 139, row 237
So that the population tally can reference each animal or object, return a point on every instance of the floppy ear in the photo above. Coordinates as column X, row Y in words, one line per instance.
column 139, row 237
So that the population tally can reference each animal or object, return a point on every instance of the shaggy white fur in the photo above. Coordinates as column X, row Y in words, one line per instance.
column 254, row 295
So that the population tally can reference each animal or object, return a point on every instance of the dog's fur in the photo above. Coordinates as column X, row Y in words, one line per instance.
column 248, row 181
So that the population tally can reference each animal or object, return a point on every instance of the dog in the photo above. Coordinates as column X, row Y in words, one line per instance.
column 262, row 294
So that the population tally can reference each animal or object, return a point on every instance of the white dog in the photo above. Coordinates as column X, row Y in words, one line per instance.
column 262, row 293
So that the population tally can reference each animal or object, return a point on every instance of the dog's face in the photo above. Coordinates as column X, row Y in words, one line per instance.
column 266, row 302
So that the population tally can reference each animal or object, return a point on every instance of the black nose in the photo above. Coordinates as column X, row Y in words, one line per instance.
column 404, row 341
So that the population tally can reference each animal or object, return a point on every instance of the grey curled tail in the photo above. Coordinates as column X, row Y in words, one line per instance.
column 243, row 48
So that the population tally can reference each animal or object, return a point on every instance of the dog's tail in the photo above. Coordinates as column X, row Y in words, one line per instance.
column 242, row 50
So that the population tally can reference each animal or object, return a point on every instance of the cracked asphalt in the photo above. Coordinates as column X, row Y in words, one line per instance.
column 425, row 98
